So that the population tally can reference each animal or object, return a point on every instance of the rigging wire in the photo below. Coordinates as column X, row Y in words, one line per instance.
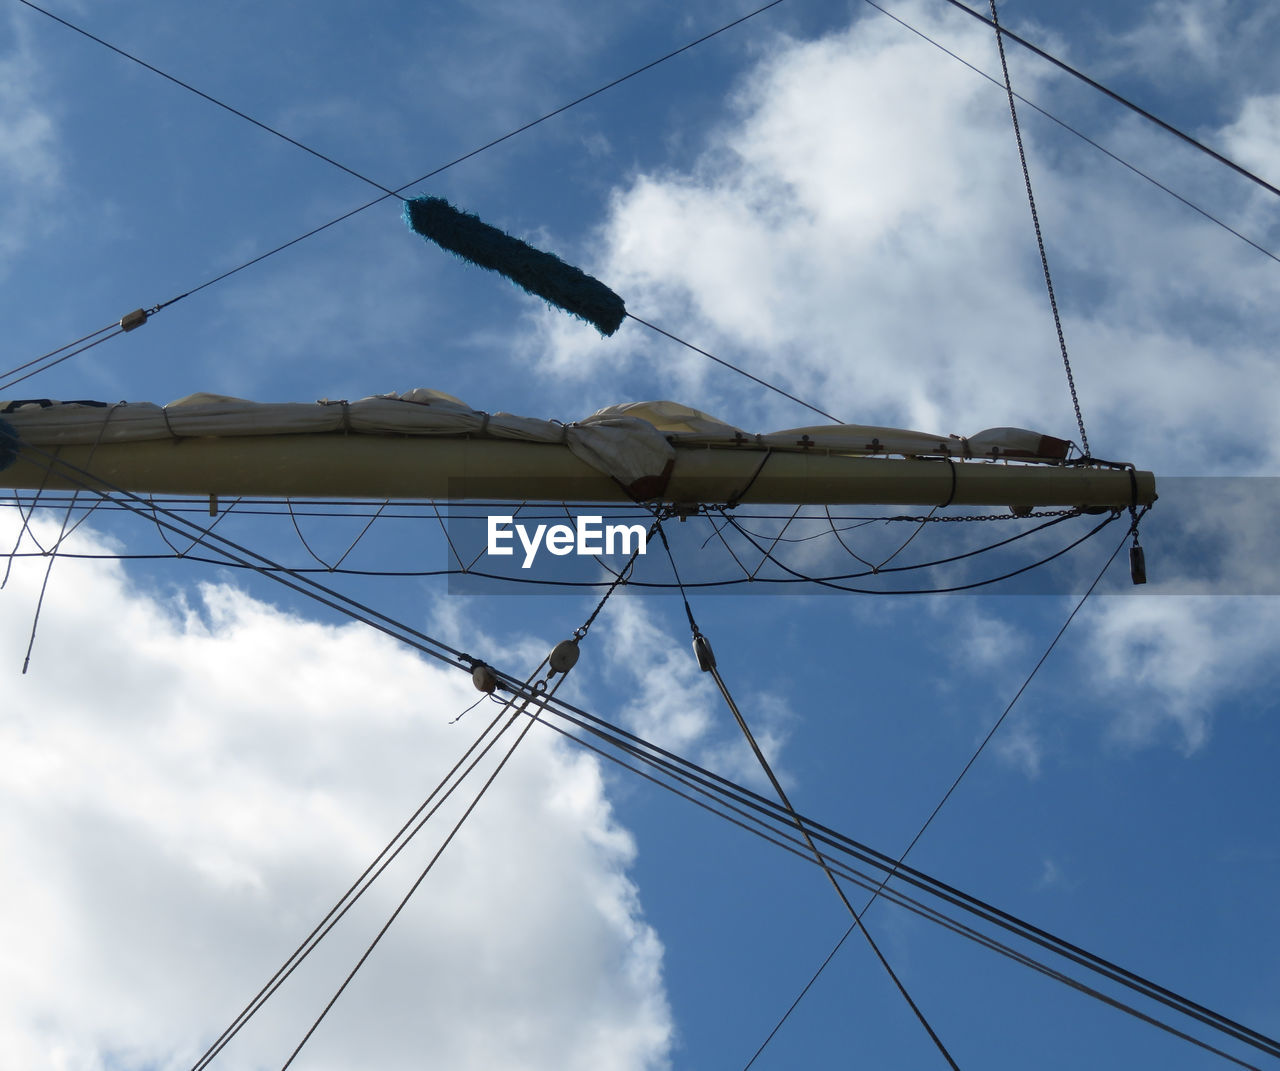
column 484, row 788
column 831, row 582
column 387, row 192
column 237, row 554
column 1035, row 220
column 772, row 811
column 1082, row 431
column 391, row 851
column 716, row 786
column 707, row 662
column 359, row 887
column 1001, row 32
column 1079, row 134
column 794, row 845
column 828, row 837
column 364, row 178
column 1062, row 65
column 54, row 353
column 942, row 802
column 205, row 96
column 561, row 661
column 735, row 368
column 65, row 357
column 748, row 577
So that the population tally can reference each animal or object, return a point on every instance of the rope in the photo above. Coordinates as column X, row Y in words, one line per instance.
column 358, row 888
column 432, row 862
column 1125, row 102
column 1035, row 220
column 735, row 368
column 710, row 666
column 868, row 856
column 879, row 889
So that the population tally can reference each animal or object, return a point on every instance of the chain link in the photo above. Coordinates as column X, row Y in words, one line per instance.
column 1035, row 219
column 1030, row 515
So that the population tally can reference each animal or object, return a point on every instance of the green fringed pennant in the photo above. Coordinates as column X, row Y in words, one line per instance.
column 543, row 274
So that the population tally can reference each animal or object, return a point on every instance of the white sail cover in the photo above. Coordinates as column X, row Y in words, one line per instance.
column 635, row 443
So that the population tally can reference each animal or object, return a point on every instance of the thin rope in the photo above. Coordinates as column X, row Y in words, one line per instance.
column 735, row 368
column 867, row 855
column 1035, row 220
column 359, row 887
column 791, row 811
column 1123, row 101
column 388, row 192
column 1079, row 134
column 484, row 788
column 941, row 803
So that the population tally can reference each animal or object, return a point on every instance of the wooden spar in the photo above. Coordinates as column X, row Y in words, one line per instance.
column 416, row 467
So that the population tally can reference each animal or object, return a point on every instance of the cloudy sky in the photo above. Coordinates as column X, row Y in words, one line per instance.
column 199, row 762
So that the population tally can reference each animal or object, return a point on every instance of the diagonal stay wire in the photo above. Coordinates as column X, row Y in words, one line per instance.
column 422, row 178
column 795, row 846
column 542, row 696
column 65, row 357
column 767, row 555
column 54, row 353
column 388, row 192
column 841, row 843
column 735, row 368
column 1079, row 134
column 714, row 784
column 364, row 178
column 358, row 888
column 484, row 788
column 830, row 837
column 1169, row 128
column 364, row 531
column 945, row 797
column 204, row 96
column 710, row 666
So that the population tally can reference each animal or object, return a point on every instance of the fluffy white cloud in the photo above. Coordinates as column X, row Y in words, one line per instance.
column 1254, row 138
column 188, row 788
column 676, row 705
column 1175, row 33
column 1168, row 662
column 859, row 235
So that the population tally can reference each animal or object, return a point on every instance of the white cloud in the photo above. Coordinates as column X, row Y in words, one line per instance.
column 1165, row 663
column 1175, row 33
column 676, row 705
column 858, row 234
column 1253, row 140
column 1019, row 745
column 187, row 788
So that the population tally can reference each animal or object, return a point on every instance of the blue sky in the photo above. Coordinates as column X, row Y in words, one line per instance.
column 198, row 762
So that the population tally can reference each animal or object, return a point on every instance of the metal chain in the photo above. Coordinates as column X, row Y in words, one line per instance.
column 1073, row 511
column 1035, row 219
column 1030, row 515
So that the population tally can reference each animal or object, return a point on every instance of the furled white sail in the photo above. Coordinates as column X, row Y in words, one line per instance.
column 640, row 447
